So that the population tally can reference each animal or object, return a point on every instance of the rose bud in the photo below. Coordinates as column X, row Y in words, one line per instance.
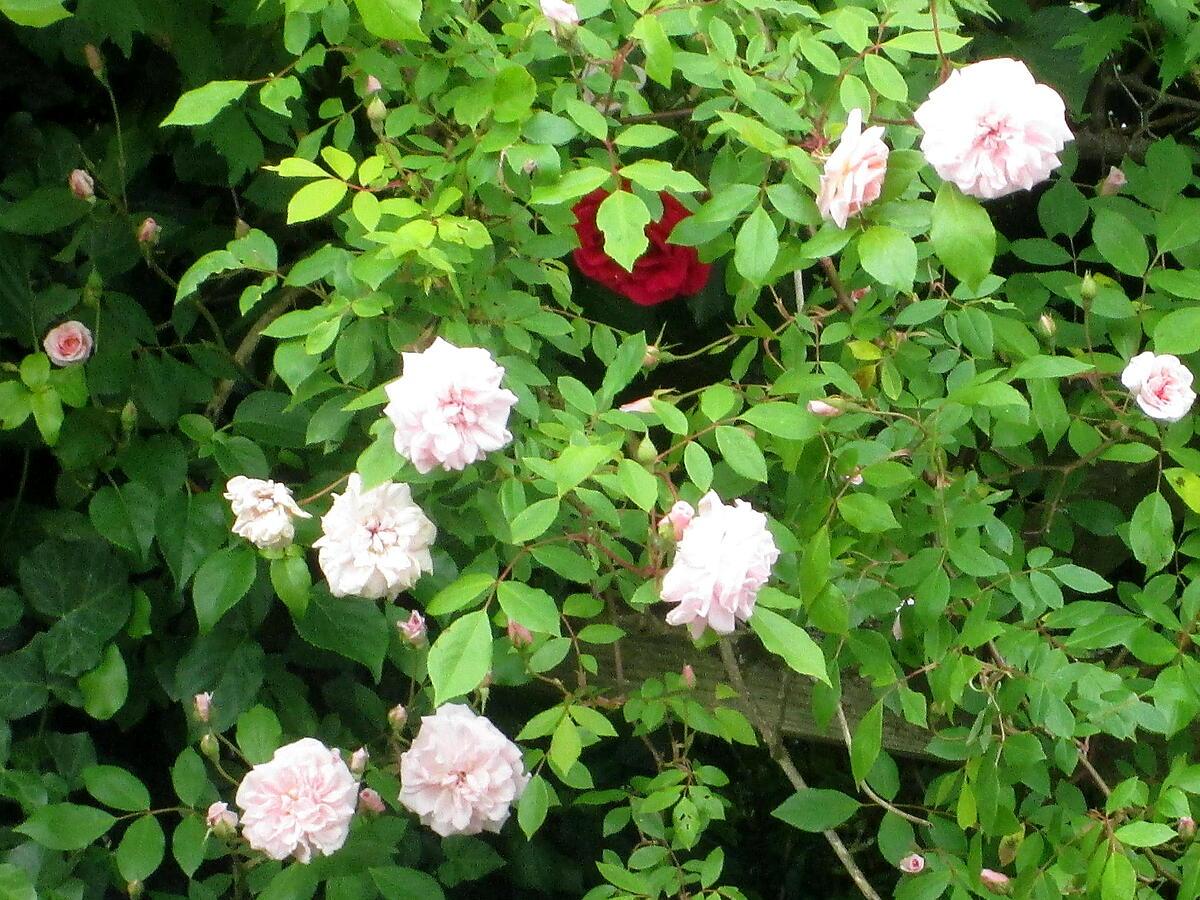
column 134, row 889
column 996, row 882
column 413, row 630
column 677, row 520
column 370, row 801
column 1047, row 326
column 148, row 232
column 1186, row 826
column 913, row 864
column 221, row 820
column 823, row 409
column 376, row 110
column 1088, row 288
column 358, row 761
column 397, row 717
column 855, row 478
column 202, row 707
column 646, row 453
column 1113, row 182
column 373, row 85
column 651, row 357
column 209, row 746
column 688, row 676
column 560, row 13
column 82, row 185
column 640, row 405
column 518, row 634
column 68, row 343
column 95, row 61
column 241, row 228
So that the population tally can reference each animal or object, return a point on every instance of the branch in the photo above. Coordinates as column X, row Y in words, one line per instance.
column 246, row 349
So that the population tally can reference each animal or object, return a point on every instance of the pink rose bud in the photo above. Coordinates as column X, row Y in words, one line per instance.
column 397, row 716
column 529, row 166
column 641, row 405
column 1113, row 182
column 519, row 634
column 373, row 85
column 82, row 185
column 559, row 12
column 376, row 110
column 678, row 519
column 651, row 357
column 1186, row 826
column 913, row 864
column 996, row 882
column 858, row 293
column 823, row 409
column 202, row 707
column 95, row 61
column 855, row 478
column 68, row 343
column 688, row 675
column 370, row 801
column 221, row 820
column 413, row 630
column 358, row 760
column 148, row 232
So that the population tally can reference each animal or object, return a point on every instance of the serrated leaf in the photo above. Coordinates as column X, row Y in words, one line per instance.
column 622, row 218
column 460, row 657
column 789, row 641
column 200, row 106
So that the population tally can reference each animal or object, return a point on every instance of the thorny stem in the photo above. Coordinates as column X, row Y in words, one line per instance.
column 783, row 759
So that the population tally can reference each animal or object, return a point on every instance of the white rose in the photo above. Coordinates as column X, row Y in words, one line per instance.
column 1162, row 386
column 264, row 511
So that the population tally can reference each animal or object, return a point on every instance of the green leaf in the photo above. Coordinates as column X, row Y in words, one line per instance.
column 622, row 218
column 23, row 689
column 200, row 106
column 292, row 581
column 788, row 640
column 1178, row 331
column 658, row 175
column 258, row 734
column 644, row 135
column 565, row 745
column 533, row 521
column 868, row 737
column 533, row 805
column 573, row 184
column 1083, row 580
column 816, row 809
column 106, row 687
column 962, row 234
column 1151, row 533
column 1050, row 367
column 741, row 453
column 66, row 826
column 637, row 484
column 392, row 20
column 221, row 582
column 189, row 777
column 699, row 467
column 460, row 657
column 459, row 593
column 576, row 463
column 315, row 199
column 15, row 883
column 756, row 247
column 353, row 627
column 513, row 93
column 785, row 420
column 115, row 787
column 660, row 55
column 866, row 512
column 397, row 881
column 1119, row 880
column 187, row 844
column 141, row 850
column 1120, row 243
column 888, row 255
column 532, row 607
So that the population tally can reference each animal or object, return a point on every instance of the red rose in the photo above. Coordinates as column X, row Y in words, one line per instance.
column 664, row 271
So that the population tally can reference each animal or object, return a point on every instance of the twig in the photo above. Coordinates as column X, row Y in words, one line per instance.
column 783, row 759
column 245, row 350
column 866, row 788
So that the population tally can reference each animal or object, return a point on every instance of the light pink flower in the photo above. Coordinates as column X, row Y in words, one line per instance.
column 202, row 706
column 264, row 511
column 448, row 407
column 640, row 405
column 996, row 882
column 913, row 864
column 413, row 629
column 148, row 232
column 823, row 409
column 374, row 543
column 688, row 676
column 373, row 85
column 1186, row 826
column 370, row 801
column 299, row 803
column 1113, row 182
column 221, row 818
column 518, row 634
column 68, row 343
column 560, row 12
column 992, row 130
column 1162, row 385
column 82, row 185
column 854, row 172
column 358, row 761
column 461, row 775
column 677, row 519
column 724, row 558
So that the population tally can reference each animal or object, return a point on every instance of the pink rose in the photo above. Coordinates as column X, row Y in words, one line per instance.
column 370, row 801
column 82, row 185
column 1186, row 826
column 413, row 629
column 461, row 775
column 677, row 519
column 202, row 706
column 1162, row 386
column 518, row 634
column 68, row 343
column 992, row 130
column 996, row 882
column 263, row 511
column 854, row 172
column 913, row 864
column 299, row 803
column 221, row 820
column 725, row 556
column 448, row 407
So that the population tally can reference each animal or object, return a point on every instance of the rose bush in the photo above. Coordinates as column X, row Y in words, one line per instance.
column 626, row 449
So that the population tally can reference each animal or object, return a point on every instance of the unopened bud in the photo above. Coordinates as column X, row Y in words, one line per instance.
column 92, row 290
column 1088, row 288
column 676, row 521
column 518, row 634
column 1009, row 845
column 688, row 676
column 370, row 801
column 646, row 452
column 129, row 418
column 996, row 882
column 913, row 864
column 376, row 110
column 823, row 409
column 82, row 185
column 855, row 478
column 221, row 820
column 202, row 706
column 210, row 747
column 397, row 717
column 134, row 889
column 1046, row 325
column 651, row 357
column 640, row 405
column 413, row 630
column 148, row 232
column 1113, row 182
column 1186, row 826
column 240, row 228
column 529, row 166
column 373, row 85
column 95, row 61
column 358, row 761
